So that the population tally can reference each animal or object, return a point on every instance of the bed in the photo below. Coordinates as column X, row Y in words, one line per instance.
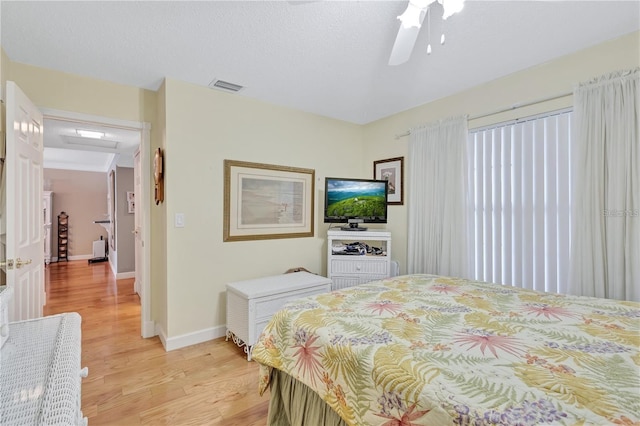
column 432, row 350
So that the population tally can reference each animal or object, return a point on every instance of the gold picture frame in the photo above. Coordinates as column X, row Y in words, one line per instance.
column 392, row 170
column 266, row 201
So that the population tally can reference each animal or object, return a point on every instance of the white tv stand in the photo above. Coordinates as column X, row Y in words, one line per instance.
column 347, row 270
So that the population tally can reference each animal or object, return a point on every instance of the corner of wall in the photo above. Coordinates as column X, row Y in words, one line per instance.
column 158, row 234
column 4, row 73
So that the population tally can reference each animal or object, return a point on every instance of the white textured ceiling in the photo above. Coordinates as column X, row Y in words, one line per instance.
column 325, row 57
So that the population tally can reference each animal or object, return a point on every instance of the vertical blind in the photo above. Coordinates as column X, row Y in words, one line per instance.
column 519, row 218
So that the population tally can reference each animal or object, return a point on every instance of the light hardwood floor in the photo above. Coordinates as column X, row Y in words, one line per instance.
column 133, row 380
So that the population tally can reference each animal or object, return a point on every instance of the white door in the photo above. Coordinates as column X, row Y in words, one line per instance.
column 137, row 193
column 24, row 222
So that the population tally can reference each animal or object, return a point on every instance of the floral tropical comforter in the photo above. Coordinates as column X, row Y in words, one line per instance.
column 430, row 350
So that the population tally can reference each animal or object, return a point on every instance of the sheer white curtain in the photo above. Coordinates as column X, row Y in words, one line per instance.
column 437, row 199
column 605, row 258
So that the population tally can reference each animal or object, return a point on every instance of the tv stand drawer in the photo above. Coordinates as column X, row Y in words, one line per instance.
column 346, row 281
column 359, row 265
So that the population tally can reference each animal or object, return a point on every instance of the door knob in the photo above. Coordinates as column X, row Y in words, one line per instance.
column 8, row 264
column 20, row 263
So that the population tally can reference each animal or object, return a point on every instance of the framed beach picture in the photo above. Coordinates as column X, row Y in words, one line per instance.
column 265, row 201
column 391, row 170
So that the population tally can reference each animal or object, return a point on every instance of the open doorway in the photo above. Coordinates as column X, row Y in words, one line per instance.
column 82, row 143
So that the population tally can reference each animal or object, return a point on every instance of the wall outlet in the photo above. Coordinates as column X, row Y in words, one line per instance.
column 179, row 220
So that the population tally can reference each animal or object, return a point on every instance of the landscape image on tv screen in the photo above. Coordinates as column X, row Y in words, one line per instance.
column 351, row 199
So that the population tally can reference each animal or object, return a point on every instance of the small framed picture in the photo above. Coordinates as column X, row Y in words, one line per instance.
column 391, row 170
column 131, row 202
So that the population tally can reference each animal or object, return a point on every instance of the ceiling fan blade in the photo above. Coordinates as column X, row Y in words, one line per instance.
column 403, row 46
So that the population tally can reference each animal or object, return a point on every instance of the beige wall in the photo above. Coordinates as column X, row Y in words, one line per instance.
column 203, row 128
column 83, row 196
column 545, row 80
column 126, row 223
column 68, row 92
column 122, row 256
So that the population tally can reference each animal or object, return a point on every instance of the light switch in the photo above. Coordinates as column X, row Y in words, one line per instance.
column 179, row 222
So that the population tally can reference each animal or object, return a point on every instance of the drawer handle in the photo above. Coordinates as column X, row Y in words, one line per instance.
column 84, row 372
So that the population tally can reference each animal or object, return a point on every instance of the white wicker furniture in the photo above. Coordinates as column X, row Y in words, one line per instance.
column 347, row 270
column 252, row 303
column 6, row 294
column 40, row 375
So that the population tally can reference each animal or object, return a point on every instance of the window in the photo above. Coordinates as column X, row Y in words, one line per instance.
column 520, row 202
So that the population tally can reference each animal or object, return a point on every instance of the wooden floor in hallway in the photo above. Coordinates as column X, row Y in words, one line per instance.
column 132, row 380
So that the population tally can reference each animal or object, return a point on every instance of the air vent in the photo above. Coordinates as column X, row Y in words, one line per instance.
column 225, row 85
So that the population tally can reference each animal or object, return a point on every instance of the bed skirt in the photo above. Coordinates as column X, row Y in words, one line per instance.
column 294, row 404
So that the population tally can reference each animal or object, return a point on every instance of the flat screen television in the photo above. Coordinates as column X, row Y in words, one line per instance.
column 355, row 201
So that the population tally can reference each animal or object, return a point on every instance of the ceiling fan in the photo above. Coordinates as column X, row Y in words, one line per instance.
column 411, row 21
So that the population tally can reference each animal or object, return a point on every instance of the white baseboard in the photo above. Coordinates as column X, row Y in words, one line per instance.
column 77, row 257
column 119, row 276
column 177, row 342
column 123, row 275
column 81, row 257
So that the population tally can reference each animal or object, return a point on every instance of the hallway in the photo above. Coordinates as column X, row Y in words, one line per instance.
column 133, row 380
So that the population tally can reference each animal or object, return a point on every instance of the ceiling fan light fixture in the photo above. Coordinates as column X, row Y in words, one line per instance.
column 451, row 7
column 411, row 21
column 90, row 134
column 411, row 18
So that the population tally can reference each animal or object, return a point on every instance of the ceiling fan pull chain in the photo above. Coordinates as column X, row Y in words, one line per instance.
column 429, row 31
column 443, row 24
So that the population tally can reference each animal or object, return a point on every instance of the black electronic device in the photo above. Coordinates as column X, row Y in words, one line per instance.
column 355, row 201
